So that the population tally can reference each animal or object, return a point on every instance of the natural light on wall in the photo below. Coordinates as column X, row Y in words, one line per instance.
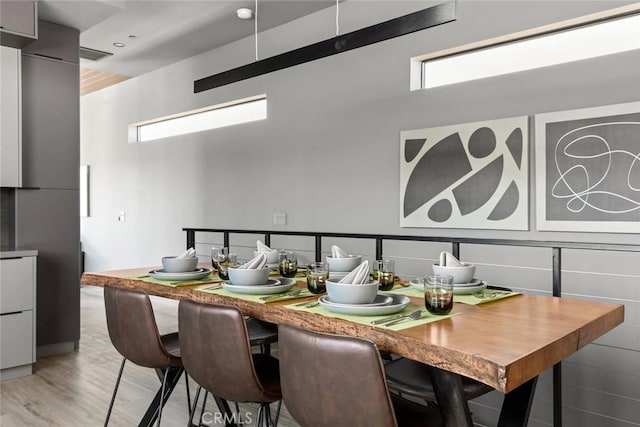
column 604, row 38
column 216, row 116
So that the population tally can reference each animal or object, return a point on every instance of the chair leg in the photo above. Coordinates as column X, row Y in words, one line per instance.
column 186, row 383
column 204, row 404
column 192, row 410
column 164, row 382
column 267, row 415
column 115, row 390
column 265, row 349
column 259, row 417
column 275, row 421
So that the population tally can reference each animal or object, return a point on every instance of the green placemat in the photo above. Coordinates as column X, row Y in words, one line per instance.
column 211, row 278
column 487, row 295
column 482, row 297
column 257, row 298
column 366, row 320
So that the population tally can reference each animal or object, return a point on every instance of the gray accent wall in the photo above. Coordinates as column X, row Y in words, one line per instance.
column 328, row 156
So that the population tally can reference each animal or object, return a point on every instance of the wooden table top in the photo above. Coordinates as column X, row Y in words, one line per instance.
column 501, row 343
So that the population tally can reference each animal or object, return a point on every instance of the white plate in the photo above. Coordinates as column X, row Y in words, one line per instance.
column 273, row 286
column 474, row 282
column 417, row 284
column 380, row 299
column 463, row 289
column 466, row 290
column 160, row 274
column 399, row 303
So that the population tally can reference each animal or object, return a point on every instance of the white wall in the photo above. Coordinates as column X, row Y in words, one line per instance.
column 328, row 156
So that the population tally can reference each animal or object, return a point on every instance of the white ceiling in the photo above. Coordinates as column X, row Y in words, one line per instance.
column 166, row 31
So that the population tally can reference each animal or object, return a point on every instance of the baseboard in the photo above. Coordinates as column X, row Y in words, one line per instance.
column 58, row 348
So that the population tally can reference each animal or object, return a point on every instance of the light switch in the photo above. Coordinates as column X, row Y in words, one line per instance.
column 279, row 219
column 121, row 216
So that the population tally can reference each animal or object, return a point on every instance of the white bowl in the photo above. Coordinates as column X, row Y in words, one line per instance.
column 460, row 274
column 171, row 264
column 346, row 293
column 249, row 276
column 343, row 264
column 272, row 256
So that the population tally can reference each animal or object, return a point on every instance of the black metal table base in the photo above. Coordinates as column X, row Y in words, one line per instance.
column 455, row 409
column 517, row 405
column 150, row 417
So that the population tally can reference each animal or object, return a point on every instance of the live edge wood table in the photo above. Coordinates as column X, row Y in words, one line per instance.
column 505, row 344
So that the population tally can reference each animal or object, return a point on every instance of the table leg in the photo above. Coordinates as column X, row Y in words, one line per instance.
column 450, row 395
column 227, row 415
column 517, row 405
column 150, row 417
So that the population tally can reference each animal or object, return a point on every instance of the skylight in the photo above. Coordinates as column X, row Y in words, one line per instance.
column 588, row 41
column 213, row 117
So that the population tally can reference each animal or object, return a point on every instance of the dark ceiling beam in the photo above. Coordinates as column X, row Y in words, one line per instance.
column 416, row 21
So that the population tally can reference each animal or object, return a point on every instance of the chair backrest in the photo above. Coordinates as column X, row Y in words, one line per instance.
column 331, row 380
column 133, row 329
column 216, row 352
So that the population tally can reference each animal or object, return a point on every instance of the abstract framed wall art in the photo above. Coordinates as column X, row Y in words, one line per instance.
column 588, row 169
column 472, row 175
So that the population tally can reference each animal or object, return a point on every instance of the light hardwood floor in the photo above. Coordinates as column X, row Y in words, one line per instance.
column 74, row 389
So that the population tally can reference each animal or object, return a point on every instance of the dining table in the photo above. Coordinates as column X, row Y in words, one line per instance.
column 505, row 343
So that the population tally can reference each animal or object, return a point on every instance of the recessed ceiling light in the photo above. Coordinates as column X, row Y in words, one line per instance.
column 118, row 44
column 132, row 36
column 244, row 13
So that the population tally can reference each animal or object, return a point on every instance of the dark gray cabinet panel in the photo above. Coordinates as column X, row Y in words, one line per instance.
column 50, row 118
column 49, row 221
column 55, row 41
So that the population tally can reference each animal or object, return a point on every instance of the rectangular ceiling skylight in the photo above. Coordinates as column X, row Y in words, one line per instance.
column 603, row 38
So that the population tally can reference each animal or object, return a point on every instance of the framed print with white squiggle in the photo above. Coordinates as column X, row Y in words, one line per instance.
column 588, row 169
column 472, row 175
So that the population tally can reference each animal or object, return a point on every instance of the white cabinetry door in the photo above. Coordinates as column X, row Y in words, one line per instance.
column 10, row 118
column 17, row 316
column 16, row 339
column 17, row 278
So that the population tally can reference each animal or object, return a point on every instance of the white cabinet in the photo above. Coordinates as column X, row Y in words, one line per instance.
column 10, row 118
column 17, row 316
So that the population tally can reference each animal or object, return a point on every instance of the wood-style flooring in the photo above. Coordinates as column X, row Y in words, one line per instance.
column 74, row 389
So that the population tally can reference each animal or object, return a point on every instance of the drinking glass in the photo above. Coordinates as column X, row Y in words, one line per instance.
column 288, row 263
column 383, row 272
column 438, row 294
column 223, row 266
column 218, row 255
column 317, row 275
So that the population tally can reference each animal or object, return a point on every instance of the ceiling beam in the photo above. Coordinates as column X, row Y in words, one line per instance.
column 416, row 21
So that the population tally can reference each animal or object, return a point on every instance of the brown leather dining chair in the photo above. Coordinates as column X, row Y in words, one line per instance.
column 334, row 380
column 409, row 378
column 216, row 353
column 134, row 333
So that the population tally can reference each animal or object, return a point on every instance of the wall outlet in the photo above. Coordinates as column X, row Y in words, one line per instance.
column 279, row 219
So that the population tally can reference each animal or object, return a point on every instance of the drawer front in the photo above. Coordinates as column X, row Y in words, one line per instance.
column 17, row 284
column 16, row 339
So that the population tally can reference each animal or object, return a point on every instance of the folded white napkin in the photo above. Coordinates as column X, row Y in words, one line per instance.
column 448, row 260
column 359, row 275
column 258, row 261
column 336, row 252
column 189, row 253
column 262, row 247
